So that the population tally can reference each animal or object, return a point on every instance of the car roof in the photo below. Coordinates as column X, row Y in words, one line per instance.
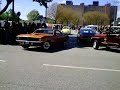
column 46, row 29
column 87, row 28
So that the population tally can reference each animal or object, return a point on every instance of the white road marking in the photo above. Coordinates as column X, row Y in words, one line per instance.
column 2, row 61
column 85, row 68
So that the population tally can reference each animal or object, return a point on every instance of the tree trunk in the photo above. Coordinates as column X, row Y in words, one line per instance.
column 6, row 6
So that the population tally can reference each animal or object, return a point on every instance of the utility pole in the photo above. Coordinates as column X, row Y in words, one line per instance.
column 46, row 14
column 13, row 10
column 115, row 2
column 0, row 4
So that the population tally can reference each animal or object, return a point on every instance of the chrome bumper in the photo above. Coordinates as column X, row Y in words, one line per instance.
column 31, row 43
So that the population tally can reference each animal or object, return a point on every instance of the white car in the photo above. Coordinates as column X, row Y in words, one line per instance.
column 66, row 30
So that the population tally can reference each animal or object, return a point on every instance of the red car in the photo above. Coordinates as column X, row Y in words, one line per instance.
column 109, row 40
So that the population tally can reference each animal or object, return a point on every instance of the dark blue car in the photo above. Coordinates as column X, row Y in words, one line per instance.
column 85, row 34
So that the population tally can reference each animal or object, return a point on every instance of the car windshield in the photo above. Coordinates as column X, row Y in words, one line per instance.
column 44, row 31
column 115, row 31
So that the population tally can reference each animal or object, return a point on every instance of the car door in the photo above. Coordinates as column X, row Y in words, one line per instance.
column 112, row 39
column 59, row 37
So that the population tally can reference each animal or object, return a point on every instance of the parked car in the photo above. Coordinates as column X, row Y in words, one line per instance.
column 43, row 37
column 92, row 26
column 66, row 30
column 85, row 34
column 110, row 40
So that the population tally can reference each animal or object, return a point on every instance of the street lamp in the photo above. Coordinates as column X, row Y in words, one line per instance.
column 13, row 10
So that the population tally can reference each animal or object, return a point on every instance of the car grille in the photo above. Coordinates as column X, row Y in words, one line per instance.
column 87, row 36
column 28, row 38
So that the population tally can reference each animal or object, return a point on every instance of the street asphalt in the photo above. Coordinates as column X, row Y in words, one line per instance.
column 75, row 67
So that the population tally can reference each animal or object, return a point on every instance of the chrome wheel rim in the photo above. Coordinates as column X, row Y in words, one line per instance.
column 94, row 44
column 46, row 45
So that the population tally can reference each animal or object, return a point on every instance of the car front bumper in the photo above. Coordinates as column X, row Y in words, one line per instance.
column 30, row 43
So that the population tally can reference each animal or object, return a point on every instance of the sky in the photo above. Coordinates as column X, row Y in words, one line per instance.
column 25, row 6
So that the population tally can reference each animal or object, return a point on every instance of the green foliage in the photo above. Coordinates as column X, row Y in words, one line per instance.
column 96, row 18
column 8, row 16
column 8, row 2
column 33, row 15
column 50, row 21
column 67, row 16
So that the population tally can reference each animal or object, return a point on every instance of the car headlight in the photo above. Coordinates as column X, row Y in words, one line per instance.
column 40, row 39
column 17, row 38
column 105, row 39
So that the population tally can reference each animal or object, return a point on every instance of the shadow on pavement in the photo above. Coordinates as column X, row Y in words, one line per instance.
column 52, row 50
column 109, row 50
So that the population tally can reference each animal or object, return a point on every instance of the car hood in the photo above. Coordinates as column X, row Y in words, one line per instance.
column 34, row 35
column 100, row 35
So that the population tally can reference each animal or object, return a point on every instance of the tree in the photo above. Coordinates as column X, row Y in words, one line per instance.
column 76, row 20
column 52, row 11
column 33, row 15
column 67, row 15
column 42, row 2
column 64, row 15
column 6, row 6
column 59, row 14
column 96, row 18
column 8, row 15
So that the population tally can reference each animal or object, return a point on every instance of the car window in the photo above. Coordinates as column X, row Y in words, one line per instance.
column 115, row 31
column 58, row 33
column 44, row 31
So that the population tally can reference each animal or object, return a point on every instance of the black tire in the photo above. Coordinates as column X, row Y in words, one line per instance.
column 63, row 44
column 25, row 46
column 96, row 44
column 46, row 45
column 107, row 47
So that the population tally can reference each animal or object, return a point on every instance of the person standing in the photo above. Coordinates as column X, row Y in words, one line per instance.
column 6, row 32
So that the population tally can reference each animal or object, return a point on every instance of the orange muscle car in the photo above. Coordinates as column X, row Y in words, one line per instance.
column 42, row 37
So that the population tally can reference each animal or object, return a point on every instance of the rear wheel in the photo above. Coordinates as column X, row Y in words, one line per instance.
column 107, row 47
column 96, row 44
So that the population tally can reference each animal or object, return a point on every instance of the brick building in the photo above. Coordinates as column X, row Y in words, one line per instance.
column 111, row 11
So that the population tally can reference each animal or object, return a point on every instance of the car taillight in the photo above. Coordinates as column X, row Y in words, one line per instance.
column 105, row 39
column 81, row 36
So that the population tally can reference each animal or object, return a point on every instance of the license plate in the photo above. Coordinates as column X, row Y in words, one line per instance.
column 26, row 42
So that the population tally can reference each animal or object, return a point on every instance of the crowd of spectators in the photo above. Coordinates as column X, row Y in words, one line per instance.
column 9, row 32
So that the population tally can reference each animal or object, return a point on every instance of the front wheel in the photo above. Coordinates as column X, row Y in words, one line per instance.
column 46, row 45
column 96, row 44
column 25, row 46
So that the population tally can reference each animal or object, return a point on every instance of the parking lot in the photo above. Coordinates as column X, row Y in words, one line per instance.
column 74, row 67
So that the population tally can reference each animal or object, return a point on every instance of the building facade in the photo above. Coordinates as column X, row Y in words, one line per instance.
column 107, row 9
